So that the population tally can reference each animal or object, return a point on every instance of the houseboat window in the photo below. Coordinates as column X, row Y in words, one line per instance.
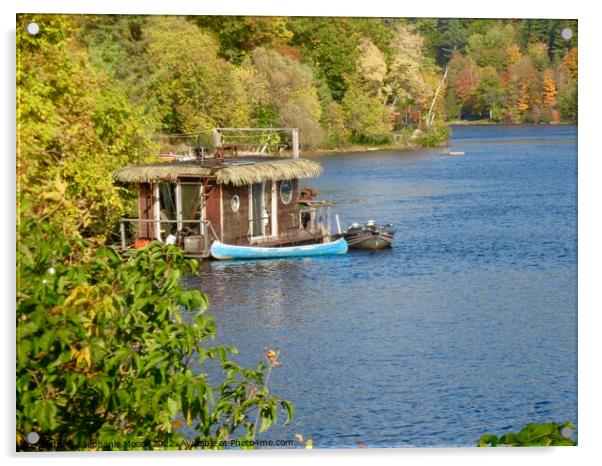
column 167, row 202
column 286, row 192
column 235, row 203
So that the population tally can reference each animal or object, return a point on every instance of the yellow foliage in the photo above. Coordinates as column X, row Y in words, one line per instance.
column 570, row 62
column 82, row 356
column 523, row 103
column 549, row 89
column 513, row 53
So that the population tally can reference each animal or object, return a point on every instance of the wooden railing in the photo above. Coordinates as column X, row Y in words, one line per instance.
column 206, row 231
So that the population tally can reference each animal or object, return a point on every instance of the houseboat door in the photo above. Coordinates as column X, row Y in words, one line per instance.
column 258, row 211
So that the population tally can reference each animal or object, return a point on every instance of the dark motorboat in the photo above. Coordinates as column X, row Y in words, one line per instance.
column 369, row 236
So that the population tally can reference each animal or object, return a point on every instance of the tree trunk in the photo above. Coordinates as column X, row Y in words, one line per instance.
column 430, row 115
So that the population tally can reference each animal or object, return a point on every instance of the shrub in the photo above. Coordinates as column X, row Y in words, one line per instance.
column 104, row 352
column 533, row 435
column 436, row 136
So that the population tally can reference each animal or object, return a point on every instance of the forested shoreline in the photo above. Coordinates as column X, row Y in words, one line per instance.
column 341, row 81
column 95, row 90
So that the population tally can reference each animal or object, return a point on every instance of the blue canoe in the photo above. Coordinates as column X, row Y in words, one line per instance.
column 223, row 251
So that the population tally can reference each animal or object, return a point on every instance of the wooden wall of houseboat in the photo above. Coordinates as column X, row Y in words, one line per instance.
column 145, row 210
column 288, row 215
column 236, row 224
column 233, row 227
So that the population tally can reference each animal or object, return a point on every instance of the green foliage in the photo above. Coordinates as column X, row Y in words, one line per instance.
column 330, row 45
column 489, row 95
column 292, row 92
column 105, row 346
column 105, row 351
column 240, row 35
column 491, row 48
column 568, row 104
column 75, row 127
column 364, row 116
column 194, row 88
column 435, row 136
column 548, row 31
column 182, row 74
column 533, row 435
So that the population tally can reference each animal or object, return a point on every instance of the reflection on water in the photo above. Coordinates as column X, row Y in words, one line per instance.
column 467, row 326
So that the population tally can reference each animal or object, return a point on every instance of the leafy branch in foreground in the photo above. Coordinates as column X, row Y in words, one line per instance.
column 533, row 435
column 105, row 354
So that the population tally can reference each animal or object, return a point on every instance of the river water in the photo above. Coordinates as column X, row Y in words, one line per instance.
column 467, row 326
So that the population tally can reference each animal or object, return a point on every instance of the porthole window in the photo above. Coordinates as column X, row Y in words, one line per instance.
column 235, row 203
column 286, row 192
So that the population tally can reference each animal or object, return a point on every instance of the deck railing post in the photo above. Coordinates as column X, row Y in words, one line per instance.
column 295, row 143
column 205, row 236
column 122, row 230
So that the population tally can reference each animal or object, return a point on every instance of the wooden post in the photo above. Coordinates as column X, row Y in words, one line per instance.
column 295, row 143
column 217, row 141
column 206, row 242
column 157, row 211
column 179, row 205
column 122, row 230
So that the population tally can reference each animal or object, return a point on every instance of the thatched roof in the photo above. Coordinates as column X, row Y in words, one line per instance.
column 237, row 174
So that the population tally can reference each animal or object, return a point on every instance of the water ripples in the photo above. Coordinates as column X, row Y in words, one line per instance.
column 467, row 326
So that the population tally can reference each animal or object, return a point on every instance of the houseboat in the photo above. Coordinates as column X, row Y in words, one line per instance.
column 247, row 206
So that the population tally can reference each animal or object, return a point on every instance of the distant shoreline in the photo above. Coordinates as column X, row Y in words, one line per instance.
column 493, row 123
column 362, row 148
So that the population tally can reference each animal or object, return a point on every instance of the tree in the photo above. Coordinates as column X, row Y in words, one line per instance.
column 463, row 80
column 455, row 37
column 569, row 104
column 549, row 31
column 75, row 128
column 405, row 81
column 371, row 66
column 292, row 92
column 569, row 62
column 523, row 102
column 489, row 94
column 238, row 36
column 514, row 54
column 490, row 48
column 539, row 55
column 195, row 89
column 524, row 91
column 364, row 115
column 549, row 89
column 330, row 45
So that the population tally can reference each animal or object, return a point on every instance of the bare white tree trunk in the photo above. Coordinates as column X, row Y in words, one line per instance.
column 430, row 116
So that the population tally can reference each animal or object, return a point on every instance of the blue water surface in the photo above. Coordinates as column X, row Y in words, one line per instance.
column 467, row 326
